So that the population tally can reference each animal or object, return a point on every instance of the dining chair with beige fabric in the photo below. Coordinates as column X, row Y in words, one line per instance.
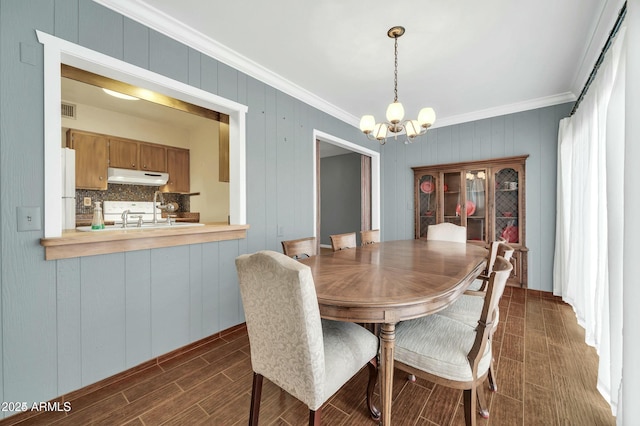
column 451, row 353
column 303, row 247
column 290, row 344
column 369, row 237
column 446, row 231
column 467, row 307
column 343, row 241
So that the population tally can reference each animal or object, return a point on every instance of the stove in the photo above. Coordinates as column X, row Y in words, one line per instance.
column 112, row 210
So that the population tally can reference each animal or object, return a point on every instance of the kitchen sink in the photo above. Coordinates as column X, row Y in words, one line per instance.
column 144, row 226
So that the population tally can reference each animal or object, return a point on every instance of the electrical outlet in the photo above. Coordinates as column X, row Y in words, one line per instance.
column 86, row 201
column 29, row 219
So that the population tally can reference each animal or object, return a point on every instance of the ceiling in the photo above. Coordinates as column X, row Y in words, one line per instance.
column 466, row 59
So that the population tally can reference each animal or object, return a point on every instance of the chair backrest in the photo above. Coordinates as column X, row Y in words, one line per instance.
column 369, row 237
column 505, row 250
column 283, row 323
column 343, row 241
column 303, row 247
column 497, row 282
column 494, row 251
column 446, row 231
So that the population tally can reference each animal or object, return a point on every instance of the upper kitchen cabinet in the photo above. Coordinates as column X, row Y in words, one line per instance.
column 92, row 159
column 130, row 154
column 178, row 169
column 153, row 157
column 487, row 197
column 123, row 154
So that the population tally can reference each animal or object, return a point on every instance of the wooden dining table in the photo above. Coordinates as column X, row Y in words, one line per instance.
column 393, row 281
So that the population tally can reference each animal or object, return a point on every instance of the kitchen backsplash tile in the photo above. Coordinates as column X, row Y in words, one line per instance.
column 116, row 192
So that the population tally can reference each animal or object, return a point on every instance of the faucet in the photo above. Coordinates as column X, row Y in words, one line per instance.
column 155, row 195
column 125, row 217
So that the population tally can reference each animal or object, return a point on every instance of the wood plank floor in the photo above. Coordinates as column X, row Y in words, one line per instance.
column 546, row 376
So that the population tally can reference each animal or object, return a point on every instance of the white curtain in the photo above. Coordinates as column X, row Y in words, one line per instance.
column 590, row 213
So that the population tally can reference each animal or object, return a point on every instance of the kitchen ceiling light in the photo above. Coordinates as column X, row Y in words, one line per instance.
column 395, row 110
column 119, row 95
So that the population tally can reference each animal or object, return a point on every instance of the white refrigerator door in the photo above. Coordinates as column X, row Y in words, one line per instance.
column 68, row 188
column 68, row 173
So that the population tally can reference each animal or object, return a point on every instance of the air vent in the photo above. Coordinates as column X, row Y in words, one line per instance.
column 68, row 110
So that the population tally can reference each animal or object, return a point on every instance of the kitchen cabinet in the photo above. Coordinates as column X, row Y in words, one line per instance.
column 487, row 197
column 153, row 157
column 123, row 154
column 130, row 154
column 92, row 159
column 178, row 169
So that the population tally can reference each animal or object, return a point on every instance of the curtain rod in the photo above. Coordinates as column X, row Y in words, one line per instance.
column 594, row 71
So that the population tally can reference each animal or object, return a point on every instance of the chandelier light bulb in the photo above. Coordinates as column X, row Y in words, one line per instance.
column 426, row 117
column 367, row 124
column 412, row 127
column 380, row 131
column 395, row 112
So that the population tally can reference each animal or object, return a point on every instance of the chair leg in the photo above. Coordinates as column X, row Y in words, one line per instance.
column 256, row 394
column 493, row 386
column 482, row 402
column 373, row 378
column 470, row 407
column 315, row 416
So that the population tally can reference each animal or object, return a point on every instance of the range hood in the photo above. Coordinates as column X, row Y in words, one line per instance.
column 136, row 177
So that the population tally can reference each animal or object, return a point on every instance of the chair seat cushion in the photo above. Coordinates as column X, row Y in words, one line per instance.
column 347, row 348
column 466, row 309
column 439, row 345
column 476, row 285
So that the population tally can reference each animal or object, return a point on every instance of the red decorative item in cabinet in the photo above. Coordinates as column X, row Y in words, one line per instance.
column 510, row 233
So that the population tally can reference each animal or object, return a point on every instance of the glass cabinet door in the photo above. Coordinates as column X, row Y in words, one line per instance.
column 507, row 205
column 427, row 203
column 452, row 197
column 476, row 204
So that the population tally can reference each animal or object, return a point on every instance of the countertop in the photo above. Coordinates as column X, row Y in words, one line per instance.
column 74, row 243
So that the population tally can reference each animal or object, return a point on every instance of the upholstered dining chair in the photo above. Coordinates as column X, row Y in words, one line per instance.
column 343, row 241
column 451, row 353
column 290, row 345
column 468, row 307
column 446, row 231
column 300, row 248
column 496, row 248
column 369, row 237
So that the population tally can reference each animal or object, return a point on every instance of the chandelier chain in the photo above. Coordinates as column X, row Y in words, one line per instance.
column 395, row 73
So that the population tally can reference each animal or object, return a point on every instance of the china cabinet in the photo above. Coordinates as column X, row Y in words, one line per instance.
column 487, row 197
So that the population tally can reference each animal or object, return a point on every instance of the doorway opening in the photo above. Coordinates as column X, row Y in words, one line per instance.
column 352, row 203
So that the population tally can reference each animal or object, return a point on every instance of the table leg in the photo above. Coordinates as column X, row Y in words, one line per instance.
column 387, row 344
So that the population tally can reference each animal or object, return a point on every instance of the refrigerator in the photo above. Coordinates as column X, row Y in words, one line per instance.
column 68, row 188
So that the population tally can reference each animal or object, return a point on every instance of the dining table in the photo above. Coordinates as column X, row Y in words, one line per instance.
column 392, row 281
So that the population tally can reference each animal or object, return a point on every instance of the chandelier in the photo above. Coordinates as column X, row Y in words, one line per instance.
column 395, row 111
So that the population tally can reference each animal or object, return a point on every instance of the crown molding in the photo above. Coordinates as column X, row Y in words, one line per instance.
column 506, row 109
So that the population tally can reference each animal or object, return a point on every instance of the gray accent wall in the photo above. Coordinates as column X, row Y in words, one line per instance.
column 533, row 132
column 69, row 323
column 340, row 207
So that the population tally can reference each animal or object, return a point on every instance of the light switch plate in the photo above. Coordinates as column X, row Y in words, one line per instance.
column 29, row 219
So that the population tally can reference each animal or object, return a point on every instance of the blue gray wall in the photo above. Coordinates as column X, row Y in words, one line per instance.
column 340, row 194
column 66, row 324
